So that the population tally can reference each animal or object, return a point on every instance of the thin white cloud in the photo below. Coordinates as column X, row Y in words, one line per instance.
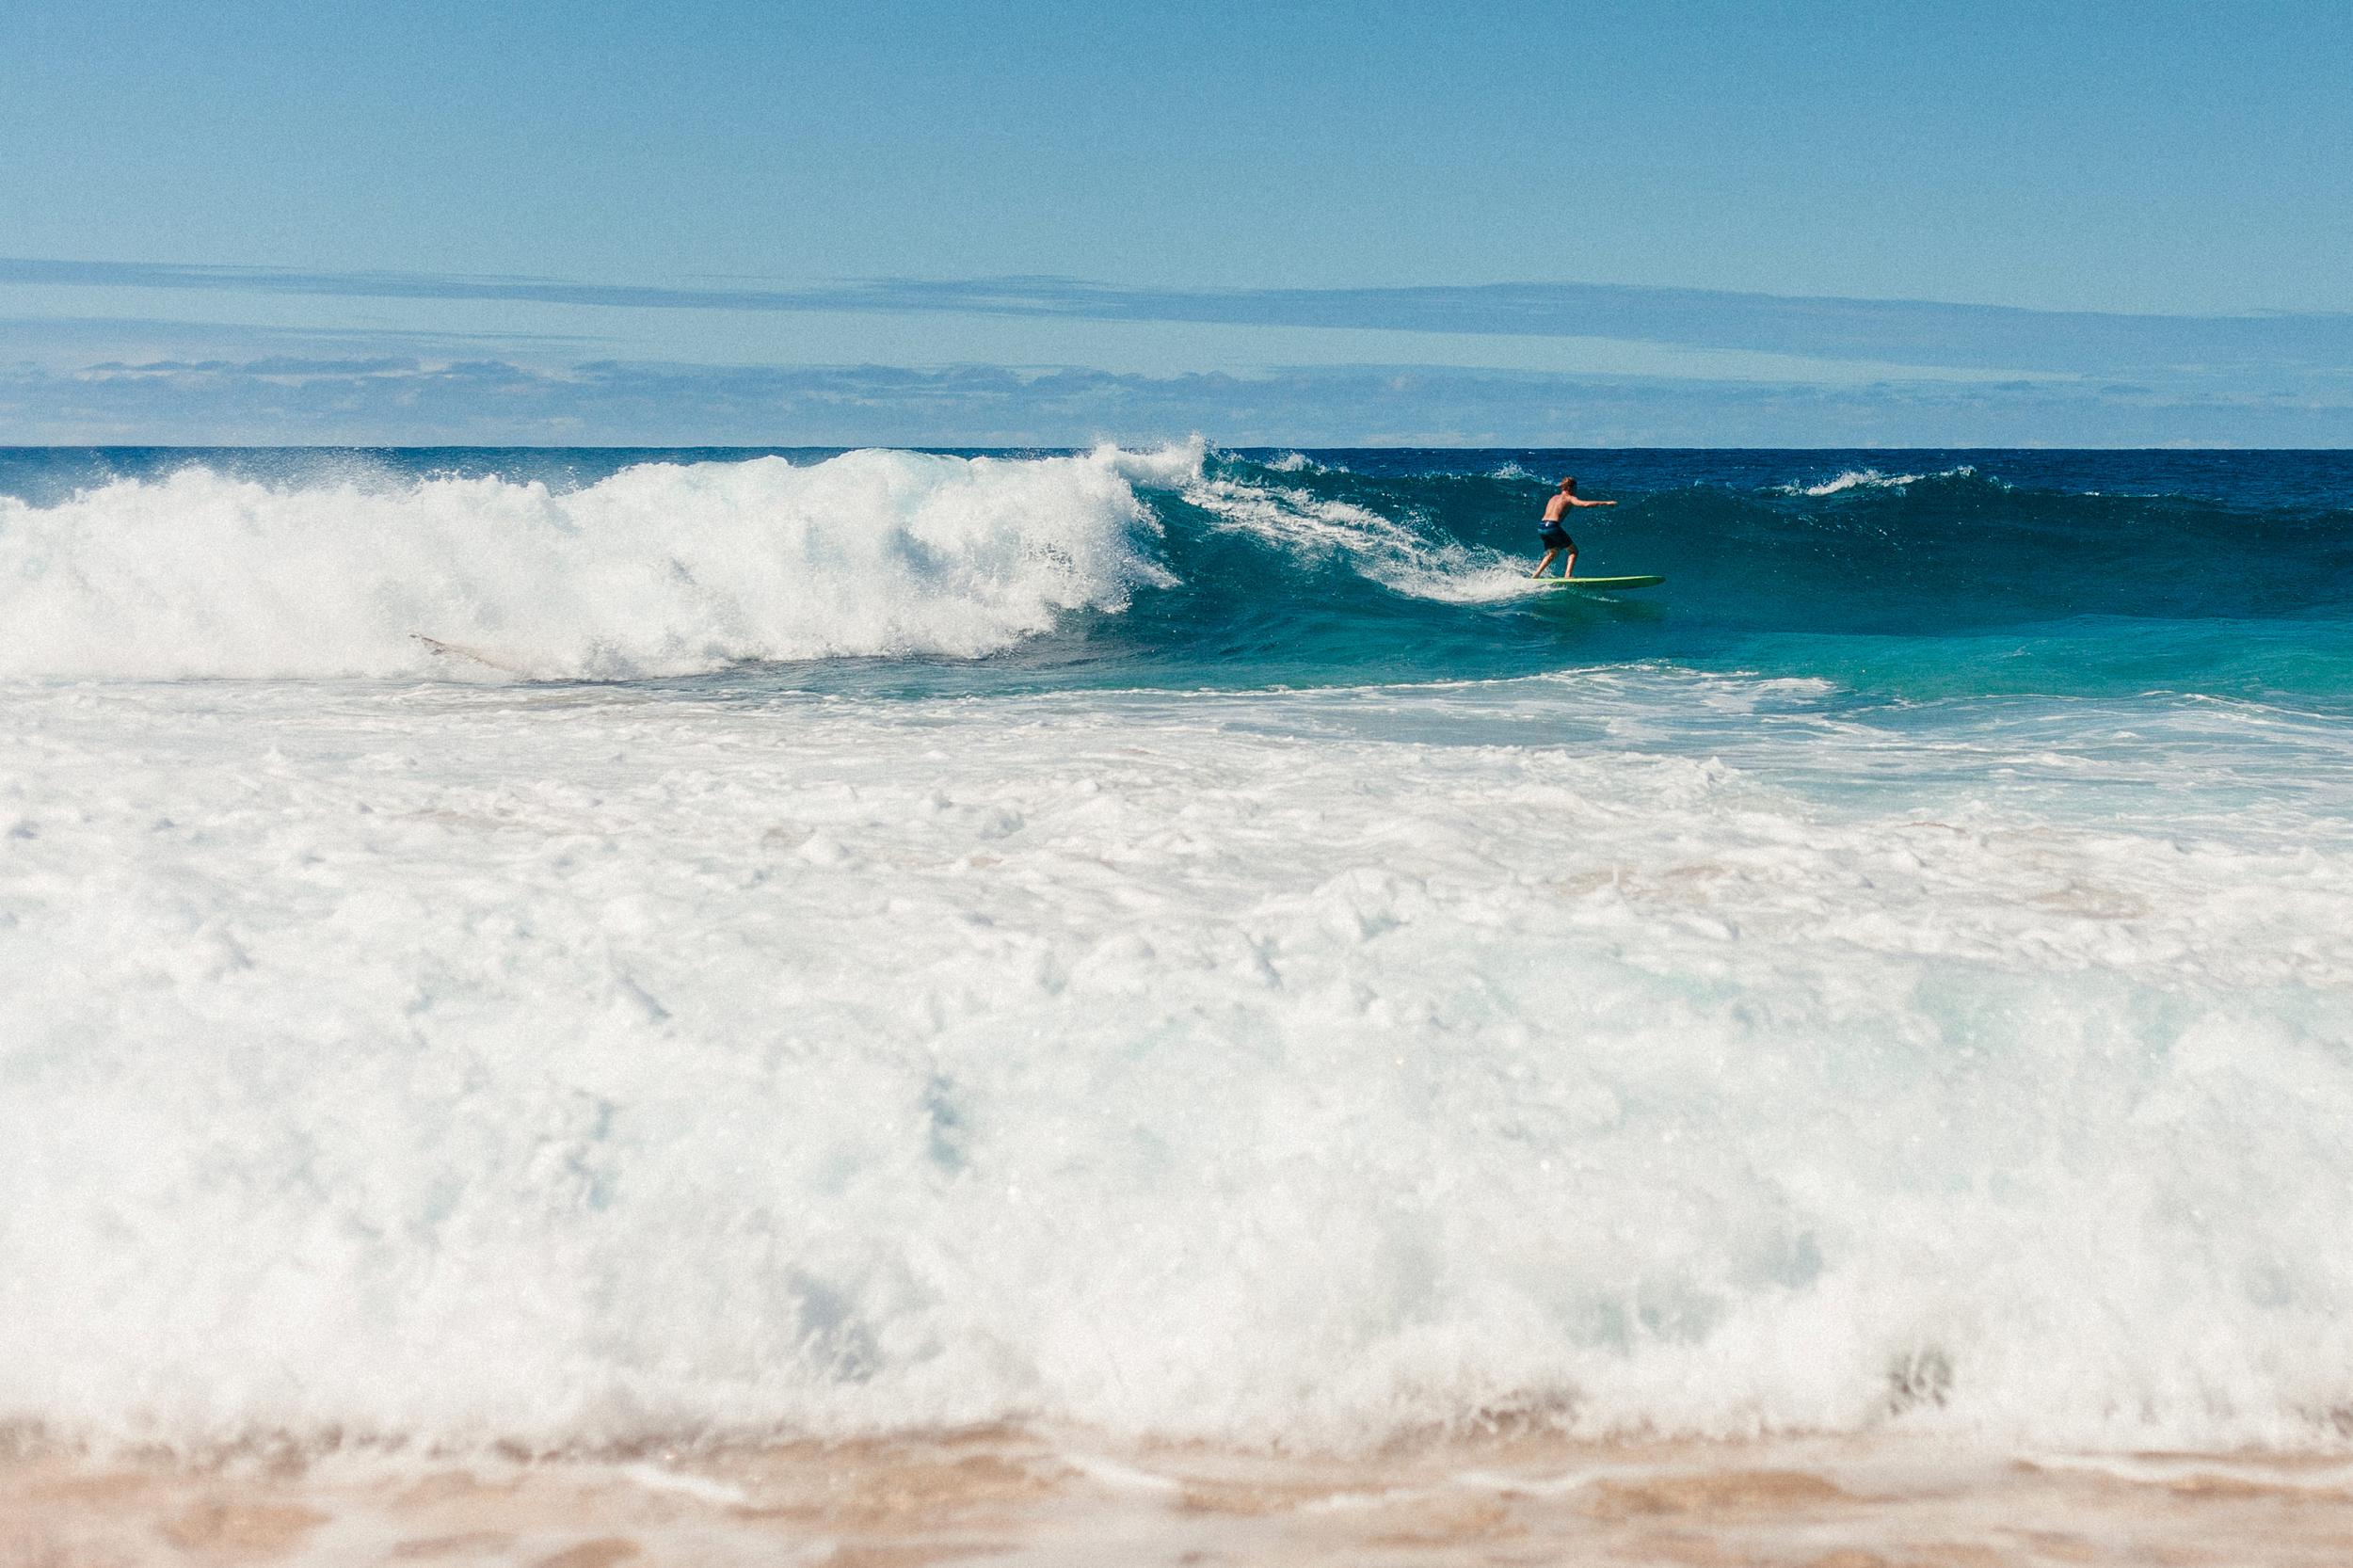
column 1922, row 333
column 291, row 400
column 128, row 352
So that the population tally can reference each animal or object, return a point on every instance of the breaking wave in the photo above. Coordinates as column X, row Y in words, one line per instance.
column 662, row 568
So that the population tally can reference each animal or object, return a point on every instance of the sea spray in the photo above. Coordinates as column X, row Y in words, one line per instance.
column 661, row 568
column 447, row 1069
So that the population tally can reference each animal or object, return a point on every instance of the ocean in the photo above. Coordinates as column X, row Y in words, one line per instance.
column 1178, row 945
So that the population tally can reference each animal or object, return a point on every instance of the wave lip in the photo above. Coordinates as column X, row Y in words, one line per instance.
column 664, row 569
column 1861, row 479
column 1405, row 554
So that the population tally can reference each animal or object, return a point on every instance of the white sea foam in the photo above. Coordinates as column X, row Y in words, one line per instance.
column 664, row 569
column 1854, row 479
column 1870, row 479
column 1395, row 552
column 1644, row 1050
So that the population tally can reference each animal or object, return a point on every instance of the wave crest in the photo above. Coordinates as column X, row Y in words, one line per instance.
column 1872, row 479
column 663, row 568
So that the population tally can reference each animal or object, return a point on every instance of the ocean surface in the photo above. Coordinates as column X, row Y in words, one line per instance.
column 1182, row 943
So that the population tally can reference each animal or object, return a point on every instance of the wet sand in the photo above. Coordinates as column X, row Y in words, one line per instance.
column 1016, row 1498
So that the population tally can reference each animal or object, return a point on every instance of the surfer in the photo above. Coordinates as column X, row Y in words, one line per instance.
column 1555, row 538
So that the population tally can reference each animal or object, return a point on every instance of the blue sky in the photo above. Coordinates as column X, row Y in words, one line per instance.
column 1804, row 223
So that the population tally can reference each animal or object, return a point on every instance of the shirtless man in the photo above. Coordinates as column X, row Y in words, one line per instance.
column 1555, row 538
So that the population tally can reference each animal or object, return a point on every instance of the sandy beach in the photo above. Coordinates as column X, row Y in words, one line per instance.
column 1014, row 1497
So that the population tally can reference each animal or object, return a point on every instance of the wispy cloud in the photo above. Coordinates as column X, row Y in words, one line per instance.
column 536, row 360
column 78, row 340
column 1921, row 332
column 404, row 401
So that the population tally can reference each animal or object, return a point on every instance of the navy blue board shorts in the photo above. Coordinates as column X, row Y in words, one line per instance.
column 1555, row 537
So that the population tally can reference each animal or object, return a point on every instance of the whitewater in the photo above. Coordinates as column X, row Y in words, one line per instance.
column 1177, row 944
column 659, row 570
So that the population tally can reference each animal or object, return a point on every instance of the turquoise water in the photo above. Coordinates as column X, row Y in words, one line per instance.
column 2076, row 574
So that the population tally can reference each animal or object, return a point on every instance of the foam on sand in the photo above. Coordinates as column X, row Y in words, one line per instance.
column 1041, row 1499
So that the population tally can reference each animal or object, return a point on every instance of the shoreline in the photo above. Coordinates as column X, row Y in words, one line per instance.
column 1021, row 1496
